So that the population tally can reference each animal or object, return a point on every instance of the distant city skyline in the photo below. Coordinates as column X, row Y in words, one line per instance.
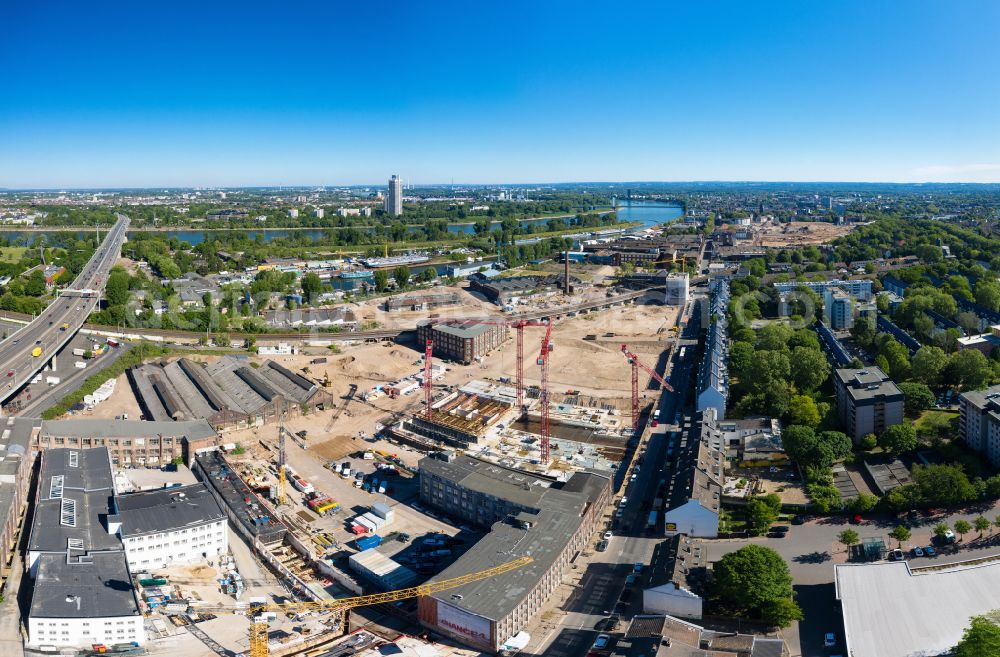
column 142, row 96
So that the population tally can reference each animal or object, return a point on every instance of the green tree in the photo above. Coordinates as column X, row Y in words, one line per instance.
column 981, row 524
column 969, row 369
column 928, row 364
column 864, row 503
column 750, row 579
column 980, row 639
column 899, row 438
column 942, row 484
column 869, row 442
column 763, row 511
column 918, row 398
column 401, row 275
column 381, row 280
column 781, row 612
column 774, row 337
column 962, row 527
column 739, row 358
column 940, row 530
column 809, row 368
column 802, row 410
column 900, row 533
column 35, row 286
column 116, row 289
column 848, row 537
column 311, row 286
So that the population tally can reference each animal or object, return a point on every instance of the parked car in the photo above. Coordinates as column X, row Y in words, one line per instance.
column 917, row 551
column 602, row 642
column 897, row 555
column 781, row 529
column 829, row 640
column 607, row 536
column 930, row 551
column 602, row 546
column 637, row 567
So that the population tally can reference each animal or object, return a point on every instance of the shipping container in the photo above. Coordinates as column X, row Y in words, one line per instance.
column 383, row 511
column 368, row 542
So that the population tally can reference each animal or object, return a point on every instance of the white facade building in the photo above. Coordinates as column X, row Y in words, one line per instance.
column 180, row 525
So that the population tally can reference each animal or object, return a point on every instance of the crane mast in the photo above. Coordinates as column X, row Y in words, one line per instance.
column 636, row 364
column 428, row 391
column 543, row 362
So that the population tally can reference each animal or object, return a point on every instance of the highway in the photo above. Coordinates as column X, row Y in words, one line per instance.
column 60, row 321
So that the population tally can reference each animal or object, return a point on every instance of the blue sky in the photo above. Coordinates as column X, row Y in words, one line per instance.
column 260, row 93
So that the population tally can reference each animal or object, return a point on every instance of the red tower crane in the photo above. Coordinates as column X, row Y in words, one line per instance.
column 428, row 392
column 636, row 364
column 543, row 362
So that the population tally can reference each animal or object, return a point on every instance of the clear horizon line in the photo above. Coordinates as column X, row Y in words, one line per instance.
column 495, row 184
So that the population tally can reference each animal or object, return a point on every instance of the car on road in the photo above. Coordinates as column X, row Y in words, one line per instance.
column 637, row 567
column 781, row 529
column 930, row 551
column 917, row 551
column 774, row 534
column 829, row 640
column 607, row 536
column 602, row 642
column 10, row 373
column 609, row 624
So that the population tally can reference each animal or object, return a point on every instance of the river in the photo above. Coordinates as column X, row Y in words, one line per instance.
column 645, row 213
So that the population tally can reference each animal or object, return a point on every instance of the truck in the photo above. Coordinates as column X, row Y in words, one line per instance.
column 113, row 343
column 80, row 365
column 79, row 352
column 651, row 521
column 52, row 380
column 367, row 542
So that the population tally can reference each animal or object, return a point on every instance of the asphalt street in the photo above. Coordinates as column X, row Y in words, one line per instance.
column 599, row 589
column 54, row 327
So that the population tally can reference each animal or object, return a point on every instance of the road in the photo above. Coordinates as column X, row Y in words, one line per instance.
column 54, row 327
column 600, row 586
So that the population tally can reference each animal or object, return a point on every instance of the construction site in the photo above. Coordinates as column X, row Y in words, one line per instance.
column 318, row 470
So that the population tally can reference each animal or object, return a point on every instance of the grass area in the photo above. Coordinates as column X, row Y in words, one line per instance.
column 934, row 422
column 733, row 521
column 135, row 356
column 12, row 253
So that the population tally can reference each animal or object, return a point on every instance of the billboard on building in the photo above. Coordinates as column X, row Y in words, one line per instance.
column 475, row 628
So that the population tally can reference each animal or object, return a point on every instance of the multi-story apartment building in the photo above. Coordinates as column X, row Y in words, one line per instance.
column 979, row 422
column 867, row 401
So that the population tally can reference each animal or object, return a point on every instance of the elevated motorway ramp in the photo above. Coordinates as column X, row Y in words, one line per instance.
column 25, row 353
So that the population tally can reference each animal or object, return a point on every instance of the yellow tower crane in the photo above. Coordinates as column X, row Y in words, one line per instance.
column 258, row 608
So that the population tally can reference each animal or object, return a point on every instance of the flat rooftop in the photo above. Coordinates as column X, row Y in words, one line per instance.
column 75, row 496
column 167, row 509
column 97, row 428
column 890, row 611
column 97, row 586
column 495, row 597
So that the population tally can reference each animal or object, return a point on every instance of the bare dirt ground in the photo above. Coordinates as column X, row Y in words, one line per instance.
column 593, row 367
column 801, row 233
column 470, row 305
column 122, row 401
